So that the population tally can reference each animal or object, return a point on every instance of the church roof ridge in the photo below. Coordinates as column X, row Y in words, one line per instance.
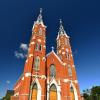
column 55, row 55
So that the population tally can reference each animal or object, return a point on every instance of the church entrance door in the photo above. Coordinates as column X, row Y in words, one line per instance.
column 34, row 92
column 53, row 92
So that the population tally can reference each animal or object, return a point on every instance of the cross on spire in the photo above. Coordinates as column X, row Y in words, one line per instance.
column 60, row 21
column 40, row 10
column 52, row 48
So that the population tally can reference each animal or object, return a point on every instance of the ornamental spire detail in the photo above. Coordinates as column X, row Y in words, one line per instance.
column 61, row 28
column 39, row 19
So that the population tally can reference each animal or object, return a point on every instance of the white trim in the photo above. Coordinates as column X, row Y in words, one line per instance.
column 76, row 81
column 22, row 78
column 63, row 53
column 38, row 76
column 59, row 51
column 64, row 64
column 65, row 80
column 39, row 40
column 43, row 58
column 27, row 74
column 44, row 46
column 30, row 55
column 43, row 77
column 32, row 42
column 26, row 60
column 73, row 65
column 16, row 94
column 75, row 91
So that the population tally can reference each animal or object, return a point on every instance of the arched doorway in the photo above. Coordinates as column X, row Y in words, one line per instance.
column 72, row 93
column 34, row 92
column 53, row 93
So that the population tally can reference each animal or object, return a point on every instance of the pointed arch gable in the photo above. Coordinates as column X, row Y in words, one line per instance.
column 53, row 81
column 39, row 89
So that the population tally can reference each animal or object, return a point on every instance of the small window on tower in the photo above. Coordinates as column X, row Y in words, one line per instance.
column 40, row 31
column 37, row 46
column 40, row 47
column 69, row 70
column 37, row 63
column 68, row 56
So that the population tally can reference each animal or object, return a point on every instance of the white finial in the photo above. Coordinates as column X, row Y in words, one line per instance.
column 40, row 10
column 52, row 48
column 60, row 21
column 39, row 19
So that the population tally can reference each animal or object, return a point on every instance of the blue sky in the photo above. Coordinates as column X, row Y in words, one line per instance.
column 81, row 20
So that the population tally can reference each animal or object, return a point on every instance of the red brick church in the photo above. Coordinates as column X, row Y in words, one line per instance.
column 49, row 76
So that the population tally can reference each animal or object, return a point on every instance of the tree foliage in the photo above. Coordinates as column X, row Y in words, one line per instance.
column 92, row 94
column 8, row 95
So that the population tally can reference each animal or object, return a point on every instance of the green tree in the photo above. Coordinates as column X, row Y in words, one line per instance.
column 8, row 95
column 92, row 94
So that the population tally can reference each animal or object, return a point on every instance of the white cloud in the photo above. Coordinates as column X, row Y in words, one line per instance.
column 22, row 52
column 24, row 47
column 19, row 55
column 8, row 82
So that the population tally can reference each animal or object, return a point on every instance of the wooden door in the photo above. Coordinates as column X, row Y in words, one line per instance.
column 34, row 92
column 72, row 93
column 53, row 93
column 72, row 96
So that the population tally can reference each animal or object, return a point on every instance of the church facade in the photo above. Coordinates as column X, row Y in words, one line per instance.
column 49, row 76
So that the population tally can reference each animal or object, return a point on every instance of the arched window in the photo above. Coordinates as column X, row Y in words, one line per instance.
column 37, row 46
column 71, row 89
column 53, row 87
column 37, row 63
column 52, row 70
column 69, row 70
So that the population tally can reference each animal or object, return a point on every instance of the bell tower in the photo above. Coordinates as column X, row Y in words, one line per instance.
column 34, row 69
column 63, row 45
column 64, row 52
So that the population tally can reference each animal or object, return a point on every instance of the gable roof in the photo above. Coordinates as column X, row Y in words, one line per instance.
column 52, row 52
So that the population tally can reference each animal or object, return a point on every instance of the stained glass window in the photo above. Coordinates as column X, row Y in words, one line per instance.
column 52, row 71
column 69, row 70
column 37, row 63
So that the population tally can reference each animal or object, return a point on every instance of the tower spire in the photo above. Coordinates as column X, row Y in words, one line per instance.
column 61, row 28
column 39, row 19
